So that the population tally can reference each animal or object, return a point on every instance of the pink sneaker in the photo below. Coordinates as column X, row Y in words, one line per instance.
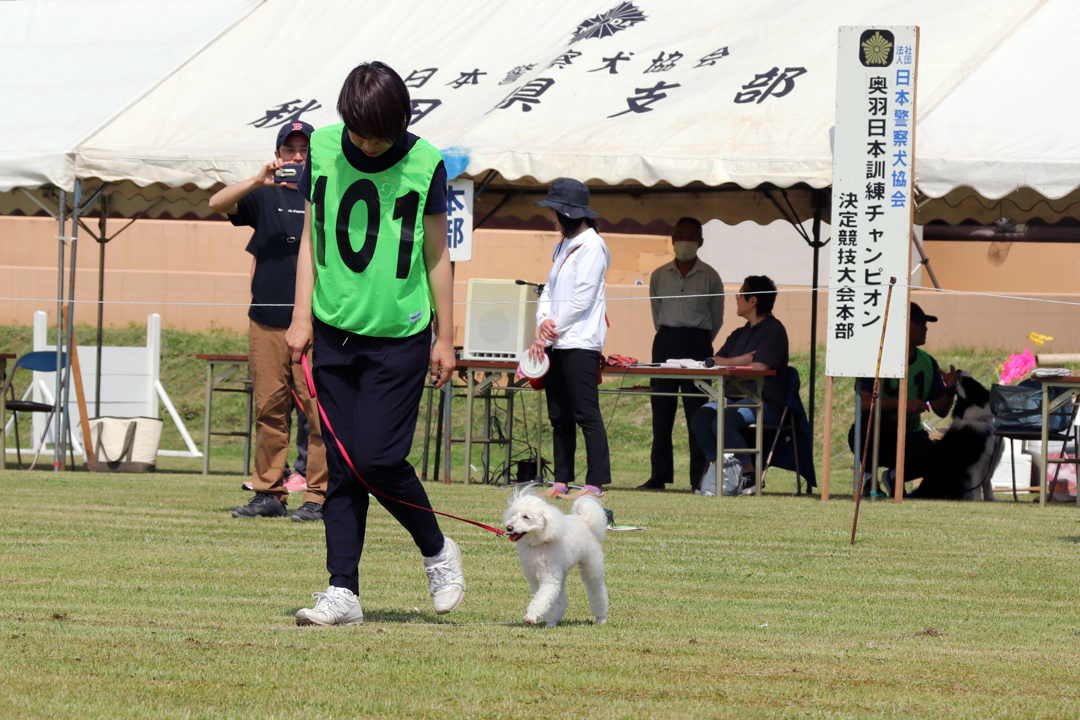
column 296, row 483
column 247, row 486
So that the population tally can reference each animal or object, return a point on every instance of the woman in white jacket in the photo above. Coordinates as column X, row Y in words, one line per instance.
column 572, row 326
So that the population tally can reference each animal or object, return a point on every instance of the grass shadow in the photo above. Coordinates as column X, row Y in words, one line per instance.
column 1074, row 539
column 389, row 617
column 404, row 617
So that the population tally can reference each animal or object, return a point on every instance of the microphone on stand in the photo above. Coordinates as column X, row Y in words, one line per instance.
column 538, row 288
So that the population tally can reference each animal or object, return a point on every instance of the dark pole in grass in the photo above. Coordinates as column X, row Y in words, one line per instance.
column 873, row 402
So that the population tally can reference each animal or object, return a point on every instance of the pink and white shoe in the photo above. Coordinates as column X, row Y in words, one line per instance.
column 296, row 483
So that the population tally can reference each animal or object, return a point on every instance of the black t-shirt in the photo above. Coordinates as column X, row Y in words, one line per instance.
column 436, row 197
column 277, row 214
column 769, row 339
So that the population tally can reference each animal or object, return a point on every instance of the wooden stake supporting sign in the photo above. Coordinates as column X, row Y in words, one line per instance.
column 826, row 461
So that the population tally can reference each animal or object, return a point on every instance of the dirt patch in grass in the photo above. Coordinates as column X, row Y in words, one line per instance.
column 930, row 632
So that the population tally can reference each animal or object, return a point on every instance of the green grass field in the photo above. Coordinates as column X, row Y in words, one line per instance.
column 139, row 596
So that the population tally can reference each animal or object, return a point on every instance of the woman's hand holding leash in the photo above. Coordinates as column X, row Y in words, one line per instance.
column 298, row 339
column 443, row 362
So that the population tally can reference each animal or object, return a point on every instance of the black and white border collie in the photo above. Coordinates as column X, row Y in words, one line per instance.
column 966, row 456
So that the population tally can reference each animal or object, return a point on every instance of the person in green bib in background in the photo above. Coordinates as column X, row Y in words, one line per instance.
column 374, row 301
column 928, row 388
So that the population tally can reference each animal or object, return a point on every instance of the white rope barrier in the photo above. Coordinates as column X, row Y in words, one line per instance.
column 781, row 291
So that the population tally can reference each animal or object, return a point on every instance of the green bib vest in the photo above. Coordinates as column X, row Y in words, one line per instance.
column 368, row 231
column 920, row 379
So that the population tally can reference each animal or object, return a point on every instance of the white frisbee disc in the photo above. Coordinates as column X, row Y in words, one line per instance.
column 530, row 368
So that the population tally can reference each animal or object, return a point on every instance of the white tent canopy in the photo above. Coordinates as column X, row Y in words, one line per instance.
column 1002, row 143
column 527, row 90
column 70, row 67
column 706, row 102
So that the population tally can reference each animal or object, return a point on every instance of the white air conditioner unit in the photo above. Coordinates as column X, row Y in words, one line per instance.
column 500, row 320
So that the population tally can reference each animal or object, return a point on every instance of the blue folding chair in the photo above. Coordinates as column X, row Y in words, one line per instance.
column 43, row 361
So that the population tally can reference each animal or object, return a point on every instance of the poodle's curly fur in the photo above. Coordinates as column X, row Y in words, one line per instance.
column 550, row 544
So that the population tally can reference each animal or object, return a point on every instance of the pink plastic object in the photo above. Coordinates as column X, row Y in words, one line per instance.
column 1017, row 366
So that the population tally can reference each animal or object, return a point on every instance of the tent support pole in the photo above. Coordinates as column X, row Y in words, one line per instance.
column 102, row 239
column 493, row 211
column 59, row 329
column 925, row 261
column 40, row 204
column 816, row 244
column 484, row 183
column 76, row 210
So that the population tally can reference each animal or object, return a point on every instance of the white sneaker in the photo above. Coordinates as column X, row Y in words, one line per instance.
column 707, row 484
column 445, row 577
column 336, row 606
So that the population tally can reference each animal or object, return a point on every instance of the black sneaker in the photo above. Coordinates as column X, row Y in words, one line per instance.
column 262, row 505
column 651, row 484
column 308, row 512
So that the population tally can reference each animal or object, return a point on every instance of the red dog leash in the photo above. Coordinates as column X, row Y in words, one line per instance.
column 326, row 424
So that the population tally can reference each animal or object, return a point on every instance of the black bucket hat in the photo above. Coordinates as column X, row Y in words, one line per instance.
column 570, row 198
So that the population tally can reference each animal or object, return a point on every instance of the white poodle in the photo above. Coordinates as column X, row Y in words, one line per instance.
column 550, row 544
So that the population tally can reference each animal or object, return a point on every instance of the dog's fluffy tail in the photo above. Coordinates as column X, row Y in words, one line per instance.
column 591, row 510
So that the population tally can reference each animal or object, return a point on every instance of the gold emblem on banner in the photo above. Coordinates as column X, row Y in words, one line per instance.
column 877, row 49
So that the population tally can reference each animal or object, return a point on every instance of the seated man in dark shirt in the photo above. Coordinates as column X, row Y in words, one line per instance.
column 761, row 343
column 929, row 388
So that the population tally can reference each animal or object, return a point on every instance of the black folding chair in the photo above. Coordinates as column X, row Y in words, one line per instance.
column 787, row 430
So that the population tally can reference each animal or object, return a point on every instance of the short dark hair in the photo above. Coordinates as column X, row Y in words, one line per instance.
column 688, row 221
column 568, row 225
column 374, row 102
column 764, row 289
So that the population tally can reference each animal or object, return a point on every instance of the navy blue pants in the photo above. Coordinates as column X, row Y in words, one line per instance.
column 370, row 389
column 736, row 419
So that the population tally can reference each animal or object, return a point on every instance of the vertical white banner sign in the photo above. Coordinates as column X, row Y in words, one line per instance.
column 872, row 209
column 459, row 219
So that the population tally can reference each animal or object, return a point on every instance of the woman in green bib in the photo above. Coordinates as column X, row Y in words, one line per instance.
column 373, row 282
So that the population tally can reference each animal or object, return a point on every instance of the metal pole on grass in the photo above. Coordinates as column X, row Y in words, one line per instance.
column 102, row 239
column 873, row 402
column 59, row 332
column 814, row 307
column 65, row 423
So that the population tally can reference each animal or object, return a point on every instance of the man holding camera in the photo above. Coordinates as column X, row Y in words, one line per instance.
column 270, row 203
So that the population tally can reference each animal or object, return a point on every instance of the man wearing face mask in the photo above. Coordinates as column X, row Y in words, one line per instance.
column 688, row 311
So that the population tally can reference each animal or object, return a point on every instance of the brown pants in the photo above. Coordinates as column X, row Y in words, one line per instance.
column 273, row 374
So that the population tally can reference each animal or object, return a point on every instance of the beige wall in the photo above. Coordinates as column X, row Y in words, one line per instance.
column 151, row 262
column 1006, row 267
column 204, row 263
